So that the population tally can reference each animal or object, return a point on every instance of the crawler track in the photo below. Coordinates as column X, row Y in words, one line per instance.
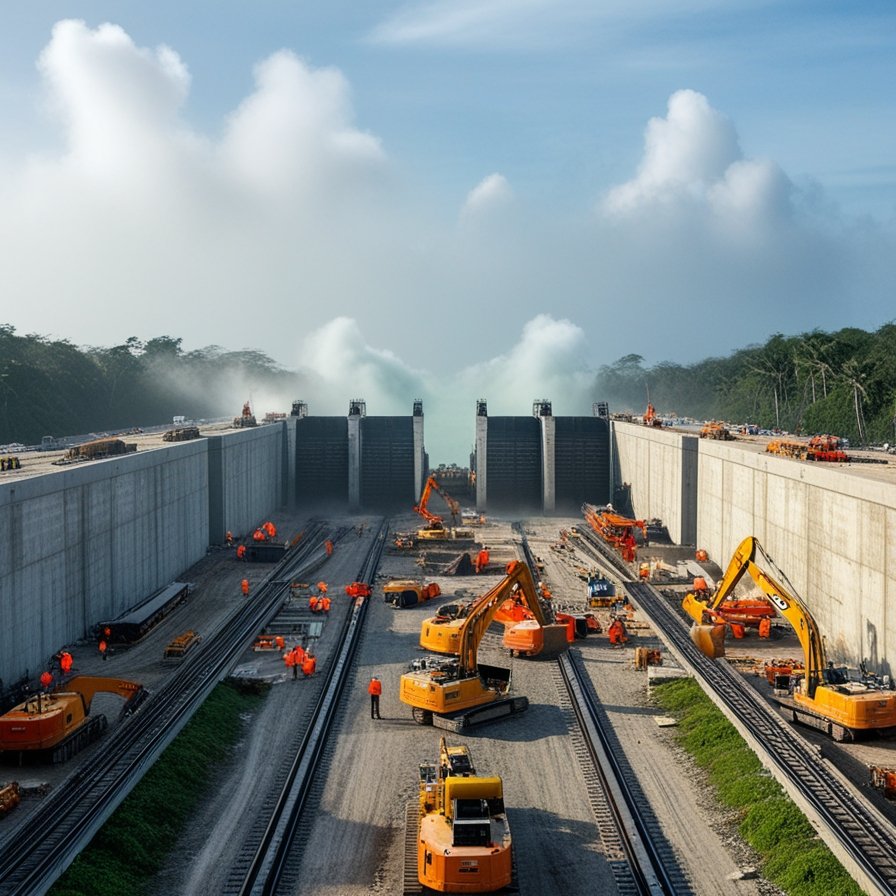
column 862, row 839
column 41, row 848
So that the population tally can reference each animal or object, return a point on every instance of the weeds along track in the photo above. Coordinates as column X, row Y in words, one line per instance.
column 38, row 851
column 861, row 838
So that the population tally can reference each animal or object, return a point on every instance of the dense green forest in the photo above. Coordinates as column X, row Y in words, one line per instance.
column 50, row 387
column 842, row 383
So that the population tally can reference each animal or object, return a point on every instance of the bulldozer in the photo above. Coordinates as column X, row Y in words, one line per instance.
column 54, row 726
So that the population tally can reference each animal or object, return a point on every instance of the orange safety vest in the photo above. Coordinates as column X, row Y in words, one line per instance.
column 65, row 662
column 241, row 552
column 299, row 654
column 375, row 688
column 325, row 604
column 289, row 658
column 245, row 586
column 309, row 664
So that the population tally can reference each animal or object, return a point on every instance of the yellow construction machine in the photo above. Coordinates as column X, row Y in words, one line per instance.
column 529, row 627
column 409, row 592
column 457, row 692
column 462, row 833
column 824, row 697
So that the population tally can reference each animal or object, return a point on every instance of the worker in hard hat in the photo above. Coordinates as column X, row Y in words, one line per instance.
column 241, row 552
column 309, row 665
column 65, row 662
column 617, row 632
column 229, row 538
column 290, row 659
column 375, row 688
column 244, row 587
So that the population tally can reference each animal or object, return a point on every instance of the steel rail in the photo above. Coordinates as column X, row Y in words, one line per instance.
column 268, row 865
column 40, row 849
column 861, row 837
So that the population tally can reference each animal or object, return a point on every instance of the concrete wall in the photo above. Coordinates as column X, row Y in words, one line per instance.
column 661, row 466
column 89, row 542
column 833, row 534
column 246, row 473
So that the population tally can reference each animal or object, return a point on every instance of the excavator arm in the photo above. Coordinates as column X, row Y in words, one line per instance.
column 88, row 686
column 431, row 518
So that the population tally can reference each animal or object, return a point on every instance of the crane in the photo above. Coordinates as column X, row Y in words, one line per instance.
column 825, row 698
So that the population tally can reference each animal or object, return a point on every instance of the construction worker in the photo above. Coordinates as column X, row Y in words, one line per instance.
column 299, row 653
column 258, row 535
column 65, row 662
column 312, row 603
column 103, row 647
column 279, row 642
column 375, row 688
column 290, row 659
column 328, row 546
column 270, row 529
column 765, row 627
column 324, row 604
column 46, row 679
column 481, row 561
column 616, row 631
column 241, row 552
column 309, row 665
column 229, row 538
column 244, row 585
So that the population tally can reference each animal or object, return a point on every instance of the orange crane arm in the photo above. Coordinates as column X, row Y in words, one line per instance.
column 421, row 508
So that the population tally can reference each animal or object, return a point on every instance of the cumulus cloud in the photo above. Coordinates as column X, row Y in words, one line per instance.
column 492, row 192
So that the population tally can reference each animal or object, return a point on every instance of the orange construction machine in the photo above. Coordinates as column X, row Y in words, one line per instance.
column 409, row 592
column 57, row 725
column 824, row 697
column 617, row 531
column 462, row 833
column 529, row 626
column 458, row 691
column 435, row 525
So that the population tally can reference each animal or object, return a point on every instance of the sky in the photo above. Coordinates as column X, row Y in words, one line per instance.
column 448, row 200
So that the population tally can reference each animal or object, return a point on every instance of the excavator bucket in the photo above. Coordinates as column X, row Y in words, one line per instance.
column 694, row 608
column 709, row 639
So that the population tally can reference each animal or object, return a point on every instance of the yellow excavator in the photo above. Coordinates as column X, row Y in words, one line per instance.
column 455, row 692
column 825, row 698
column 462, row 833
column 435, row 526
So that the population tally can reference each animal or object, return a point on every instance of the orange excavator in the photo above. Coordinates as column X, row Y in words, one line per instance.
column 616, row 530
column 457, row 691
column 435, row 525
column 57, row 725
column 721, row 607
column 825, row 697
column 529, row 627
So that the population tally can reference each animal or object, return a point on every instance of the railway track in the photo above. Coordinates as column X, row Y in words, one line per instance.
column 41, row 848
column 265, row 861
column 862, row 839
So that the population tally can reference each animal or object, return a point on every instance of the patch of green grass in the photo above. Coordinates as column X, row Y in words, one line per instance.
column 131, row 848
column 792, row 856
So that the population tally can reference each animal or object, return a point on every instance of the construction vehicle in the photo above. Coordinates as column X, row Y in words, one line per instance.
column 650, row 418
column 459, row 826
column 181, row 434
column 96, row 450
column 617, row 531
column 10, row 797
column 824, row 697
column 57, row 725
column 247, row 418
column 601, row 592
column 459, row 691
column 720, row 607
column 529, row 626
column 712, row 429
column 403, row 593
column 435, row 528
column 180, row 646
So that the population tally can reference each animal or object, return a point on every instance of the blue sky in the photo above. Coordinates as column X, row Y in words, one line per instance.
column 494, row 195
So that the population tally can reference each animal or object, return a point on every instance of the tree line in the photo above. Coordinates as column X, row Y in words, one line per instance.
column 51, row 387
column 842, row 383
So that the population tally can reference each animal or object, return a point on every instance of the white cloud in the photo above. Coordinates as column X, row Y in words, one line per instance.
column 492, row 192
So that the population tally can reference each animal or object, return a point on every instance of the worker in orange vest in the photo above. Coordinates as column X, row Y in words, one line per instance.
column 328, row 546
column 290, row 659
column 270, row 529
column 103, row 647
column 299, row 653
column 309, row 665
column 258, row 535
column 324, row 604
column 46, row 679
column 616, row 631
column 65, row 662
column 481, row 561
column 241, row 552
column 229, row 538
column 312, row 603
column 244, row 585
column 765, row 627
column 279, row 642
column 375, row 688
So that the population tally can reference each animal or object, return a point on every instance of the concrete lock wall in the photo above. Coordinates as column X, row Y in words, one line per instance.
column 246, row 479
column 833, row 535
column 89, row 542
column 661, row 466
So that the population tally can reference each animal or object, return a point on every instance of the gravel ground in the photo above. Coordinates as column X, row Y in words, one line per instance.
column 353, row 842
